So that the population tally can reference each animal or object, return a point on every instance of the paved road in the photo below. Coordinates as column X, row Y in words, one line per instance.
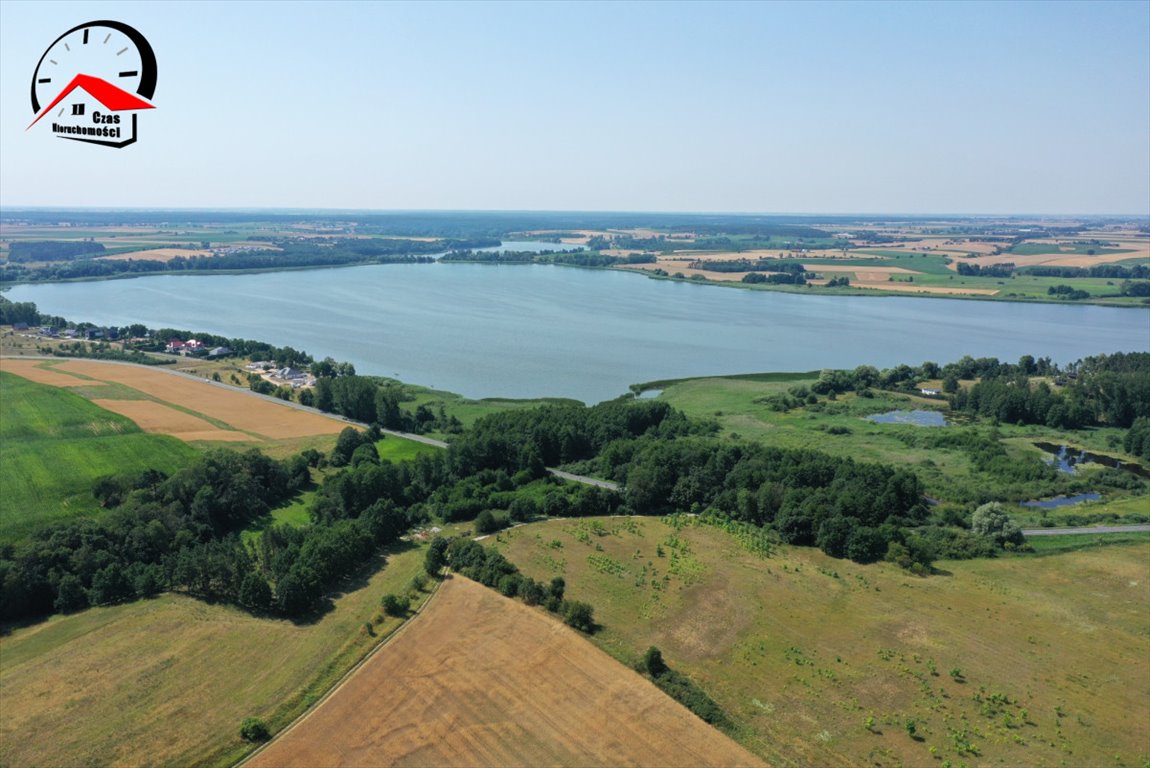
column 1092, row 529
column 584, row 479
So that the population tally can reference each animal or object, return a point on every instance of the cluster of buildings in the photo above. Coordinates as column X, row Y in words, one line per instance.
column 288, row 377
column 195, row 348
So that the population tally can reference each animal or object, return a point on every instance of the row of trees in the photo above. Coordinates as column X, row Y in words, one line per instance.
column 492, row 569
column 985, row 270
column 1110, row 271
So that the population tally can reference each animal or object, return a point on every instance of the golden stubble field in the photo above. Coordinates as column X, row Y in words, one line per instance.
column 482, row 680
column 187, row 408
column 167, row 681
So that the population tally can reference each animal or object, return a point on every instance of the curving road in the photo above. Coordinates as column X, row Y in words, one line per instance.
column 1093, row 529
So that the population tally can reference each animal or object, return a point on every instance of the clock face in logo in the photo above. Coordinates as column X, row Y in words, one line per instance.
column 112, row 63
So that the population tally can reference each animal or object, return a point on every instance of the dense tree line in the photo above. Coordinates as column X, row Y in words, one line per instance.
column 1110, row 271
column 1137, row 441
column 1068, row 292
column 289, row 254
column 578, row 258
column 1109, row 390
column 847, row 509
column 775, row 278
column 371, row 401
column 160, row 533
column 53, row 250
column 985, row 270
column 783, row 266
column 12, row 312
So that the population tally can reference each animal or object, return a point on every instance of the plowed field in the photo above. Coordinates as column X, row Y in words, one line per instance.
column 482, row 680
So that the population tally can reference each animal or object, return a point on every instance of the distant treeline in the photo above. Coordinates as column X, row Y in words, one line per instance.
column 289, row 254
column 53, row 250
column 1108, row 271
column 567, row 258
column 775, row 278
column 746, row 265
column 985, row 270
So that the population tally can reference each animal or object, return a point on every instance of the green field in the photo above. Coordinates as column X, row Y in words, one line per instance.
column 54, row 444
column 1027, row 660
column 398, row 449
column 168, row 681
column 1039, row 249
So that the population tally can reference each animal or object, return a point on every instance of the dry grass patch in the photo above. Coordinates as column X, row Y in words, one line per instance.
column 481, row 680
column 160, row 419
column 823, row 661
column 240, row 410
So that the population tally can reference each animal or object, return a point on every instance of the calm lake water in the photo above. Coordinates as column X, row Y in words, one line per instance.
column 917, row 418
column 533, row 330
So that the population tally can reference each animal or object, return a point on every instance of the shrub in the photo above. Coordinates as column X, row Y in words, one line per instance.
column 395, row 605
column 653, row 662
column 991, row 521
column 253, row 729
column 486, row 522
column 579, row 615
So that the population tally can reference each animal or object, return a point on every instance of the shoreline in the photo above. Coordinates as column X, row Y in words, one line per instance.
column 808, row 290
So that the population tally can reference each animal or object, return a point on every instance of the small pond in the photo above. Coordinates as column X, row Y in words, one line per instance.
column 917, row 418
column 648, row 394
column 1065, row 459
column 1062, row 501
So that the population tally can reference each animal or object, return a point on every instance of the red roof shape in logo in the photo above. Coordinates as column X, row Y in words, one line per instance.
column 115, row 99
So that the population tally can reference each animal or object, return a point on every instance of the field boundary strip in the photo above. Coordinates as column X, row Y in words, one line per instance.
column 383, row 642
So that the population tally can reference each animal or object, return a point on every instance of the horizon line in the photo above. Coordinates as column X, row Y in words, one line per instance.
column 636, row 212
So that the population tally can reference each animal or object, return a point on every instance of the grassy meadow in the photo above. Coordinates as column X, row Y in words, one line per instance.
column 167, row 681
column 1022, row 660
column 54, row 444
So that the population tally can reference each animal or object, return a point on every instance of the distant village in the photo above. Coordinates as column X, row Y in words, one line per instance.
column 265, row 369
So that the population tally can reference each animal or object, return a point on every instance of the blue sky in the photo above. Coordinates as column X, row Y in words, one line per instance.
column 971, row 107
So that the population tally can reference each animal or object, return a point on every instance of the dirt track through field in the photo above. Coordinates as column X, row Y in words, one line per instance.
column 481, row 680
column 237, row 409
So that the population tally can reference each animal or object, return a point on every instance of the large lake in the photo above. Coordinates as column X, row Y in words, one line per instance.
column 531, row 330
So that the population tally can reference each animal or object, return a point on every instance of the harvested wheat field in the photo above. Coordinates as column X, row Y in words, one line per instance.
column 160, row 419
column 482, row 680
column 915, row 288
column 157, row 254
column 32, row 370
column 240, row 410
